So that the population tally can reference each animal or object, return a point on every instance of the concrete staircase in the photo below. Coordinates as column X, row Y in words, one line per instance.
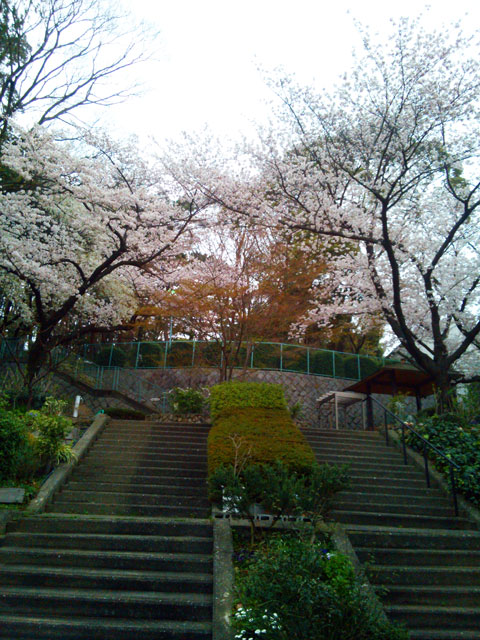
column 423, row 559
column 124, row 552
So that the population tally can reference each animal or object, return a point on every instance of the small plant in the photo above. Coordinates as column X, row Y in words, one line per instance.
column 296, row 411
column 398, row 405
column 187, row 401
column 50, row 429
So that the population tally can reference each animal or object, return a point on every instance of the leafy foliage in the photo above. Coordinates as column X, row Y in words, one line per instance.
column 294, row 589
column 51, row 429
column 459, row 442
column 187, row 401
column 12, row 440
column 278, row 490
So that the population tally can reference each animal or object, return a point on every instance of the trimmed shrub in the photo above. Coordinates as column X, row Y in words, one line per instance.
column 258, row 436
column 124, row 414
column 242, row 395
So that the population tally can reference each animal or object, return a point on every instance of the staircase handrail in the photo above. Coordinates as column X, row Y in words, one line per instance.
column 141, row 384
column 426, row 445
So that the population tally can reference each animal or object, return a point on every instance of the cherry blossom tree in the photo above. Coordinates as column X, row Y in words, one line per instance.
column 59, row 55
column 387, row 166
column 75, row 236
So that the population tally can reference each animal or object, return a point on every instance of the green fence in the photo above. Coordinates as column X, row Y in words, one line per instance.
column 263, row 355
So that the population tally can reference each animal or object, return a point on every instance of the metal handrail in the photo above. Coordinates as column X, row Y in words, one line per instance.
column 426, row 444
column 117, row 382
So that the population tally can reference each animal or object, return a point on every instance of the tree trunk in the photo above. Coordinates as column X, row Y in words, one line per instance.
column 444, row 393
column 37, row 356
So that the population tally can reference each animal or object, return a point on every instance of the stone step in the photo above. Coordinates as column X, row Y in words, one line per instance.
column 156, row 430
column 118, row 498
column 394, row 507
column 140, row 487
column 151, row 441
column 443, row 634
column 106, row 603
column 102, row 468
column 125, row 560
column 386, row 496
column 124, row 455
column 343, row 433
column 376, row 518
column 112, row 525
column 373, row 480
column 113, row 579
column 387, row 474
column 76, row 628
column 381, row 462
column 412, row 538
column 419, row 557
column 377, row 451
column 195, row 449
column 398, row 489
column 98, row 508
column 373, row 466
column 440, row 617
column 111, row 542
column 197, row 478
column 402, row 575
column 458, row 596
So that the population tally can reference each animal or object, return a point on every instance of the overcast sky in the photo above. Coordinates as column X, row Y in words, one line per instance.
column 209, row 51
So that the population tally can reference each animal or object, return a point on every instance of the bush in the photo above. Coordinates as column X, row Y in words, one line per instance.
column 242, row 395
column 187, row 401
column 321, row 362
column 278, row 490
column 51, row 429
column 294, row 589
column 124, row 414
column 460, row 443
column 110, row 356
column 261, row 436
column 151, row 355
column 21, row 398
column 13, row 440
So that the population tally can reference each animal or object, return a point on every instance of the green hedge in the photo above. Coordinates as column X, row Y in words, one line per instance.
column 242, row 395
column 256, row 435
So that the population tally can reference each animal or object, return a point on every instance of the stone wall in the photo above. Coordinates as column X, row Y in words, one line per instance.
column 299, row 387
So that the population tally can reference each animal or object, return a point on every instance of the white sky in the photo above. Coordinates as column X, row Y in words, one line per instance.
column 209, row 52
